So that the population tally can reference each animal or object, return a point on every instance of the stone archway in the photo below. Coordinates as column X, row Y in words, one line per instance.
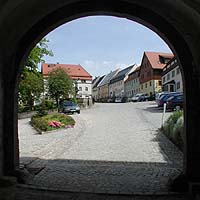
column 24, row 23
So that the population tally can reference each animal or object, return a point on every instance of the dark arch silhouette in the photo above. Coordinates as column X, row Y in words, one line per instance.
column 24, row 23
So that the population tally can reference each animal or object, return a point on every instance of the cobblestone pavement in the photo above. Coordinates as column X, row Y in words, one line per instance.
column 114, row 148
column 24, row 193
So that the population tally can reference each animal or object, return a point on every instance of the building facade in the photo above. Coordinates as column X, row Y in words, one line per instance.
column 95, row 89
column 117, row 86
column 151, row 71
column 132, row 84
column 81, row 78
column 171, row 77
column 103, row 86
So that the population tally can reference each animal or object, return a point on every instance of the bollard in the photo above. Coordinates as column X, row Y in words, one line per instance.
column 163, row 115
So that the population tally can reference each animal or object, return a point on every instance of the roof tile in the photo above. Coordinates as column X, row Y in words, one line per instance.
column 153, row 58
column 74, row 71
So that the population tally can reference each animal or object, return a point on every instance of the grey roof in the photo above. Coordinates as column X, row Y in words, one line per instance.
column 97, row 81
column 108, row 77
column 121, row 74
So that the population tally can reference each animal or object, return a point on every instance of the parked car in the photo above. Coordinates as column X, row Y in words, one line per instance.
column 164, row 97
column 138, row 97
column 124, row 99
column 175, row 102
column 118, row 100
column 111, row 100
column 68, row 107
column 160, row 94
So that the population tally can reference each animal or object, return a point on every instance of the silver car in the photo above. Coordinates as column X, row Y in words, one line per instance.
column 69, row 107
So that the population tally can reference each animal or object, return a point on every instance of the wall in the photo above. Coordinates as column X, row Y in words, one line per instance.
column 177, row 79
column 83, row 92
column 132, row 87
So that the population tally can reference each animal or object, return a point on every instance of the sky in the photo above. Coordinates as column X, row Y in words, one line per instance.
column 102, row 43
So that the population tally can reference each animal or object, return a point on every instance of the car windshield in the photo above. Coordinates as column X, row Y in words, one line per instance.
column 69, row 103
column 170, row 98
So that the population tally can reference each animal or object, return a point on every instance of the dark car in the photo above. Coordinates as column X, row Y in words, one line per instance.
column 163, row 99
column 111, row 100
column 175, row 102
column 68, row 107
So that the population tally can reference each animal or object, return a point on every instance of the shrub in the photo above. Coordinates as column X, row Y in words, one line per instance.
column 22, row 109
column 39, row 123
column 52, row 121
column 74, row 100
column 173, row 128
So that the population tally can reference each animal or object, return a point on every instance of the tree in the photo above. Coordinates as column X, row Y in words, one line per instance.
column 59, row 85
column 31, row 84
column 30, row 87
column 36, row 55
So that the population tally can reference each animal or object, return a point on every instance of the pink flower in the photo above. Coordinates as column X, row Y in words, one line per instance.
column 55, row 124
column 69, row 126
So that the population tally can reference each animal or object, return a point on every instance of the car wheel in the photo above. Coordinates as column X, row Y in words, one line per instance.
column 78, row 112
column 177, row 108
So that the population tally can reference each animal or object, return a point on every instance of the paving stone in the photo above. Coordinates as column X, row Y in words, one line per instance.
column 114, row 148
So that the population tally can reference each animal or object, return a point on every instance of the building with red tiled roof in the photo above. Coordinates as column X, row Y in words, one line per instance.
column 151, row 71
column 76, row 72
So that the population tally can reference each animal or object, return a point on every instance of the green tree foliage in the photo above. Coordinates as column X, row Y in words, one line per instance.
column 31, row 84
column 59, row 85
column 30, row 87
column 36, row 55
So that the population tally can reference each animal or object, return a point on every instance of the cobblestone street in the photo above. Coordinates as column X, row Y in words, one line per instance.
column 114, row 148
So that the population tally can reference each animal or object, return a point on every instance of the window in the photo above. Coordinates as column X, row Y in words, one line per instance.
column 163, row 79
column 173, row 73
column 178, row 85
column 177, row 71
column 150, row 83
column 171, row 88
column 168, row 76
column 83, row 81
column 179, row 97
column 159, row 83
column 145, row 85
column 80, row 88
column 86, row 88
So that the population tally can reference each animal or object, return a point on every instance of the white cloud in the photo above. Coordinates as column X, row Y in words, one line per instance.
column 96, row 68
column 106, row 62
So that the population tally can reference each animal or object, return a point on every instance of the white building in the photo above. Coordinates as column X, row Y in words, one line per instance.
column 132, row 84
column 82, row 79
column 116, row 86
column 171, row 77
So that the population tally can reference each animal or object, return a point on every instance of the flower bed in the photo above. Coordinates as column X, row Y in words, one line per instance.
column 52, row 122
